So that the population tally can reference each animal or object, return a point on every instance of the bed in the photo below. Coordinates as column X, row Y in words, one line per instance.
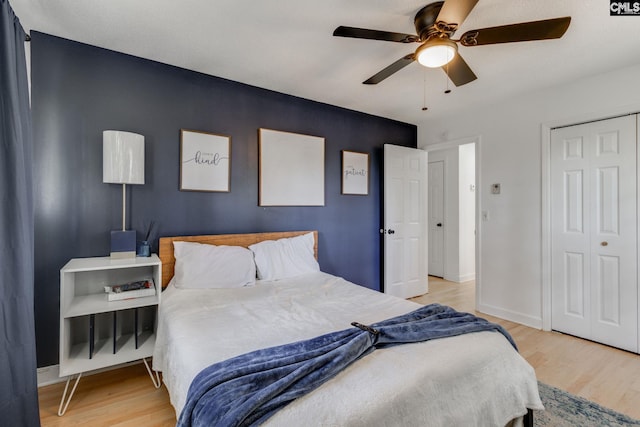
column 473, row 379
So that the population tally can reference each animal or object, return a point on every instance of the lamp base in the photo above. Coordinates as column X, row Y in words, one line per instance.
column 123, row 244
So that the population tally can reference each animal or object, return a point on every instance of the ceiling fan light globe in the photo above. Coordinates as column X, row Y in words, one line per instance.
column 436, row 53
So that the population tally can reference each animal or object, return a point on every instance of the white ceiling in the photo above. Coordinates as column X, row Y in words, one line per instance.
column 287, row 46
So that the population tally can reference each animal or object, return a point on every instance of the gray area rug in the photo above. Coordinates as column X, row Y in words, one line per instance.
column 564, row 409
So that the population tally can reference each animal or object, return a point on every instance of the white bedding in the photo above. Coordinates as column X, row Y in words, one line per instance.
column 474, row 379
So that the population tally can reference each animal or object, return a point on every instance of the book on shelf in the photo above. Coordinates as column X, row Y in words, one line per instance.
column 135, row 326
column 115, row 331
column 92, row 329
column 137, row 289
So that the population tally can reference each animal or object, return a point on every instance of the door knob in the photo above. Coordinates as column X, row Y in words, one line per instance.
column 604, row 243
column 439, row 224
column 391, row 231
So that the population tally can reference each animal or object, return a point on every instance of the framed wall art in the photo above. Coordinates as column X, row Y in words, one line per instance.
column 291, row 169
column 355, row 173
column 205, row 161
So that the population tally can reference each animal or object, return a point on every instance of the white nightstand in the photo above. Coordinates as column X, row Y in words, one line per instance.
column 96, row 333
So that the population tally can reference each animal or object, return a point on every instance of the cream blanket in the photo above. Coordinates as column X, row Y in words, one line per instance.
column 474, row 379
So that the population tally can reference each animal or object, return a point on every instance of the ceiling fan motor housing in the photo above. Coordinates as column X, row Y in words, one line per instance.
column 425, row 20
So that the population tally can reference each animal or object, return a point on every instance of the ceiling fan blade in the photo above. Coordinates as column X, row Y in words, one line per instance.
column 456, row 11
column 363, row 33
column 391, row 69
column 525, row 31
column 459, row 72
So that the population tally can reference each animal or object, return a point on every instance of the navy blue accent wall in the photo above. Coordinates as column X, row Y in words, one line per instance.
column 80, row 90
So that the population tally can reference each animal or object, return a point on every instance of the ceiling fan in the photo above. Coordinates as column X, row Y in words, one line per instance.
column 436, row 23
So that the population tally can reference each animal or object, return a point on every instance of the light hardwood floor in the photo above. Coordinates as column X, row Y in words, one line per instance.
column 610, row 377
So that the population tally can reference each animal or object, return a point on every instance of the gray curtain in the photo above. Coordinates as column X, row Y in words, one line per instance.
column 18, row 381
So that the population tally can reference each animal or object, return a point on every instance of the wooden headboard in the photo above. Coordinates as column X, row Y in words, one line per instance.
column 244, row 240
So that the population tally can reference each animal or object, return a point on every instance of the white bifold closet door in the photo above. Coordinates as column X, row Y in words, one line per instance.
column 594, row 231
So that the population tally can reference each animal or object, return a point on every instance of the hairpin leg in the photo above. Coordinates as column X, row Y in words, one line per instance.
column 155, row 379
column 65, row 402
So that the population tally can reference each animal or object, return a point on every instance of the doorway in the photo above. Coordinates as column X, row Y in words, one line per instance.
column 453, row 217
column 436, row 218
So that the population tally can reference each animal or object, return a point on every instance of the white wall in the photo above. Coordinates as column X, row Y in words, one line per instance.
column 467, row 210
column 510, row 277
column 27, row 55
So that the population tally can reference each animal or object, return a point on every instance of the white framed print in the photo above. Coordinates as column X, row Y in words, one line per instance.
column 355, row 173
column 291, row 169
column 205, row 161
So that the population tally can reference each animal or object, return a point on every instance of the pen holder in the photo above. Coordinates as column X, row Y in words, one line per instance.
column 144, row 249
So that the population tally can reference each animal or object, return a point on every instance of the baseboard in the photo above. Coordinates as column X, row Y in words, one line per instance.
column 48, row 375
column 467, row 277
column 461, row 278
column 531, row 321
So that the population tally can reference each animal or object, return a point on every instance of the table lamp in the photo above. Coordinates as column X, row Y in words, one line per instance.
column 122, row 163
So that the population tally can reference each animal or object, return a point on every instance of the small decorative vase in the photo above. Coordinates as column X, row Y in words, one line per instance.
column 144, row 249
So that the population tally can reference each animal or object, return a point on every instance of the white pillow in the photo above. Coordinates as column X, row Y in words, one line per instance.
column 277, row 259
column 201, row 266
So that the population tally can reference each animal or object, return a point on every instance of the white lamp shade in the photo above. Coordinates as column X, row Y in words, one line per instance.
column 436, row 53
column 122, row 157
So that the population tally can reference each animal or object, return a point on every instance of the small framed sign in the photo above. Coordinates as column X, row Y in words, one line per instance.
column 355, row 173
column 205, row 161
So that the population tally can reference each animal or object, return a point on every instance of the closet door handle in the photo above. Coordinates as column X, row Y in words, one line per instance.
column 603, row 243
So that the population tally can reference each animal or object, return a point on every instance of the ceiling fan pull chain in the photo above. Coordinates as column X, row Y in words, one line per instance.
column 424, row 99
column 447, row 90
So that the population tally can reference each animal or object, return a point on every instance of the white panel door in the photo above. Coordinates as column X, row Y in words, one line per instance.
column 405, row 221
column 436, row 218
column 594, row 229
column 571, row 295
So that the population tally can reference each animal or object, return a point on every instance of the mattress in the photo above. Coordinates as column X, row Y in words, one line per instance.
column 474, row 379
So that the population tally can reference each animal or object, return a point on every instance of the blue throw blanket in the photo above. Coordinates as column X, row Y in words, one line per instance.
column 248, row 389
